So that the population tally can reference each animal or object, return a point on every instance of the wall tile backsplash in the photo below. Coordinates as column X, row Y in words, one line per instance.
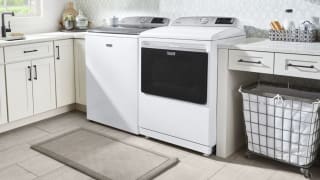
column 253, row 13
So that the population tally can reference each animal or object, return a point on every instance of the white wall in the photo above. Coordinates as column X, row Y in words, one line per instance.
column 256, row 13
column 48, row 22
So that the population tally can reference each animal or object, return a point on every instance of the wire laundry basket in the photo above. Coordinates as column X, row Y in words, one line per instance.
column 282, row 123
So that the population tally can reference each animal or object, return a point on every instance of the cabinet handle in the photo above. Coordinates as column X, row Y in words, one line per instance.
column 58, row 49
column 301, row 66
column 30, row 73
column 31, row 51
column 250, row 62
column 35, row 72
column 109, row 45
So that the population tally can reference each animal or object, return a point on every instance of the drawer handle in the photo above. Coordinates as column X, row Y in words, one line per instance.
column 250, row 62
column 58, row 49
column 301, row 66
column 35, row 72
column 109, row 45
column 30, row 73
column 30, row 51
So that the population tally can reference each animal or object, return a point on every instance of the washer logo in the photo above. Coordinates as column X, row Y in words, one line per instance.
column 170, row 53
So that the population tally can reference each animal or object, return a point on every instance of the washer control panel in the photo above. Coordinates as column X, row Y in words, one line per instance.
column 209, row 21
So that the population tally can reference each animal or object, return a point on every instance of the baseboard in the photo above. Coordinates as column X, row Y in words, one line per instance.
column 36, row 118
column 81, row 107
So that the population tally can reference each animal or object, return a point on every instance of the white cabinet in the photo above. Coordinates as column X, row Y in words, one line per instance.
column 1, row 56
column 28, row 51
column 283, row 64
column 3, row 98
column 44, row 94
column 19, row 90
column 80, row 69
column 294, row 65
column 65, row 72
column 30, row 88
column 251, row 61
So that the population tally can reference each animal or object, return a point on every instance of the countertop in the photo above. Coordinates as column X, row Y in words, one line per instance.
column 34, row 38
column 260, row 44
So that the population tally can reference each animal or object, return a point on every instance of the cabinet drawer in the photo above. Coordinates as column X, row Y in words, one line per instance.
column 251, row 61
column 294, row 65
column 28, row 51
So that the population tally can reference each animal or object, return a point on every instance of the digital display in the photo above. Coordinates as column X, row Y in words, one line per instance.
column 157, row 21
column 224, row 21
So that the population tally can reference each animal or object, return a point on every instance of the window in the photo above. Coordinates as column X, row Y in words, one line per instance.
column 21, row 7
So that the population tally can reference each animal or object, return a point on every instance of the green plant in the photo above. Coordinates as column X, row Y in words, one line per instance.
column 69, row 18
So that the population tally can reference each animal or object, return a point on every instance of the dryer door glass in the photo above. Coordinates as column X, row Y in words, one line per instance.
column 175, row 74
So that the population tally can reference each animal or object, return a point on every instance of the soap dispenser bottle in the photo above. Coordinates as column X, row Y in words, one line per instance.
column 316, row 22
column 289, row 23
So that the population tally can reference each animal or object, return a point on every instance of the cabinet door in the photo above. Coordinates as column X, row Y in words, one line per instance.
column 19, row 90
column 80, row 64
column 3, row 98
column 65, row 75
column 44, row 94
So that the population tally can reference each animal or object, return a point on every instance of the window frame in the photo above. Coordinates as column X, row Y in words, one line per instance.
column 36, row 9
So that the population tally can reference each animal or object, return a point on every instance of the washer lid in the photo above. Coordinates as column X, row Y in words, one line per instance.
column 193, row 33
column 117, row 30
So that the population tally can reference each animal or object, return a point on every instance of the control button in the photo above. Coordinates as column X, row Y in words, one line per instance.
column 204, row 20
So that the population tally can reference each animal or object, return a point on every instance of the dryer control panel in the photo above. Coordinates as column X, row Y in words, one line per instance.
column 208, row 21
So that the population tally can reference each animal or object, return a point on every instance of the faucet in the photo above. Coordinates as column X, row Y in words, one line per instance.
column 4, row 30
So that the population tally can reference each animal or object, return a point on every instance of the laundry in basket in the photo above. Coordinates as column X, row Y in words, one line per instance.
column 282, row 123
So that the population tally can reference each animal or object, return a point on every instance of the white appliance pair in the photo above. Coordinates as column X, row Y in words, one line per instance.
column 175, row 84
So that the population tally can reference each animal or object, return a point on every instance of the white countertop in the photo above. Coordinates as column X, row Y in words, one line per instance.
column 34, row 38
column 260, row 44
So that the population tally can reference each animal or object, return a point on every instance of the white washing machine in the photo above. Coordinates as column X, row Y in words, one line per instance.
column 178, row 80
column 112, row 72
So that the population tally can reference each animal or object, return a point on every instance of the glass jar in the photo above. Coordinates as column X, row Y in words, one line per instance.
column 82, row 21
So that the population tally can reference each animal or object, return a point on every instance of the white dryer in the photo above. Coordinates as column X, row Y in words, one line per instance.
column 178, row 80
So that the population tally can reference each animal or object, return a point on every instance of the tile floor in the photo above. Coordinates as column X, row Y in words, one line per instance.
column 19, row 162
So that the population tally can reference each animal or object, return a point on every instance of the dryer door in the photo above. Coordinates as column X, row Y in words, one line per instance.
column 176, row 74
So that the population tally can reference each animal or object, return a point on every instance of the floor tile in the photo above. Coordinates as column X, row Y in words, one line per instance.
column 242, row 172
column 50, row 136
column 64, row 173
column 18, row 161
column 285, row 175
column 63, row 122
column 91, row 125
column 184, row 171
column 16, row 154
column 140, row 142
column 114, row 133
column 211, row 166
column 15, row 173
column 170, row 150
column 20, row 136
column 40, row 165
column 240, row 158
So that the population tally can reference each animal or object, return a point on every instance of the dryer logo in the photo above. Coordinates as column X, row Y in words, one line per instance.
column 171, row 53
